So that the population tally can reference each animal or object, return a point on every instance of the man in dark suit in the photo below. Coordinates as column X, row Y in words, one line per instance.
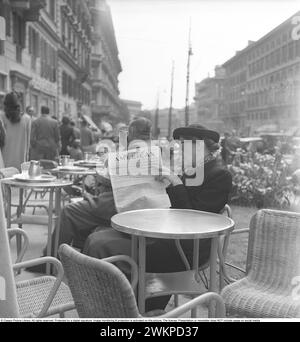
column 45, row 137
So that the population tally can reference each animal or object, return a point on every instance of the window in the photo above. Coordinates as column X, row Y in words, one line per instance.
column 298, row 48
column 48, row 61
column 19, row 33
column 50, row 7
column 34, row 46
column 5, row 12
column 2, row 48
column 3, row 83
column 291, row 54
column 35, row 103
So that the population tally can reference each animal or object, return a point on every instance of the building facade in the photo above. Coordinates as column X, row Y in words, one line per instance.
column 106, row 66
column 262, row 83
column 210, row 100
column 258, row 89
column 28, row 56
column 74, row 29
column 62, row 54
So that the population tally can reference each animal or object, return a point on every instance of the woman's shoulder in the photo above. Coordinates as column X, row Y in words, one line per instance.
column 219, row 171
column 26, row 117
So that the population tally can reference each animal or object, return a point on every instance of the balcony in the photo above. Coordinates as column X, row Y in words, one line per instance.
column 97, row 58
column 100, row 109
column 31, row 8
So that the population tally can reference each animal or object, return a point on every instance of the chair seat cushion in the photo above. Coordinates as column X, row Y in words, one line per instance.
column 247, row 299
column 33, row 293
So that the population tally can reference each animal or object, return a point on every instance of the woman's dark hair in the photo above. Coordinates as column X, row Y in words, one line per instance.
column 211, row 145
column 45, row 110
column 65, row 120
column 140, row 129
column 12, row 107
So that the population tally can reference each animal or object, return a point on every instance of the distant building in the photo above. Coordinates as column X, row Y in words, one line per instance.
column 256, row 90
column 106, row 66
column 134, row 108
column 178, row 119
column 263, row 83
column 210, row 101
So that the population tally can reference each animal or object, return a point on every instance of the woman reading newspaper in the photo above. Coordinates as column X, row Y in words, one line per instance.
column 80, row 220
column 212, row 195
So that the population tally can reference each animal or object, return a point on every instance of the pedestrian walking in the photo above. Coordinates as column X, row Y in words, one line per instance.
column 67, row 136
column 87, row 139
column 45, row 137
column 17, row 126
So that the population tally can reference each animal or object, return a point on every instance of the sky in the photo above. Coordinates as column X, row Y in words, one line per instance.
column 151, row 34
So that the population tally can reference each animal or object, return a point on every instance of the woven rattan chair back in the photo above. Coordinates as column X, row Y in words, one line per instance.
column 99, row 289
column 274, row 249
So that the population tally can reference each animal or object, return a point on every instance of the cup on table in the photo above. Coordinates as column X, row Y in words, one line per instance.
column 87, row 156
column 64, row 160
column 25, row 168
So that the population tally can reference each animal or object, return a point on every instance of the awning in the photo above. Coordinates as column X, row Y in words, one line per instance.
column 106, row 126
column 90, row 122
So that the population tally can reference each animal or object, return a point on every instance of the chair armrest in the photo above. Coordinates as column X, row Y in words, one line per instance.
column 59, row 277
column 15, row 232
column 206, row 299
column 131, row 262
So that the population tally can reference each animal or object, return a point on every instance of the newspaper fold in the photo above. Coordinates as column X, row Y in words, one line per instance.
column 133, row 180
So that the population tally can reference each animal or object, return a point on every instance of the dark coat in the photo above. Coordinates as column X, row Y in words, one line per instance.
column 45, row 138
column 67, row 138
column 211, row 196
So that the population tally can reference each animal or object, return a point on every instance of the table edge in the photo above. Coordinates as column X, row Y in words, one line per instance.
column 161, row 235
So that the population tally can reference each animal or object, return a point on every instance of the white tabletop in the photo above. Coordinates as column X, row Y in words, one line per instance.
column 172, row 223
column 58, row 183
column 87, row 172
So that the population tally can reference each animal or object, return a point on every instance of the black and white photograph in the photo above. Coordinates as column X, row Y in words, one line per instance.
column 149, row 163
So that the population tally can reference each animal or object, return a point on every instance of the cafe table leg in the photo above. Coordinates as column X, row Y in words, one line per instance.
column 196, row 268
column 142, row 275
column 57, row 223
column 134, row 251
column 19, row 215
column 50, row 225
column 8, row 213
column 213, row 273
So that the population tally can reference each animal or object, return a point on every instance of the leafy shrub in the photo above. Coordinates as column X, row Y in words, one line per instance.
column 261, row 180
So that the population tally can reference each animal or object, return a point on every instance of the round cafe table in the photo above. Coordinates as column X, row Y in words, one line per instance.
column 75, row 172
column 177, row 224
column 54, row 187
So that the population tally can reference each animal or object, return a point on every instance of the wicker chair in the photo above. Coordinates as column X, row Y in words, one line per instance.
column 101, row 290
column 41, row 296
column 273, row 263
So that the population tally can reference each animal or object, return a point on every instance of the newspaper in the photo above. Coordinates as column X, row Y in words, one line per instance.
column 133, row 180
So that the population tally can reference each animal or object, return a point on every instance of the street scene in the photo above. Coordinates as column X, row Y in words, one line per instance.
column 149, row 160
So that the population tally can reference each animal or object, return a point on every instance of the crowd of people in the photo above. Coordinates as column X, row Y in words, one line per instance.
column 29, row 136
